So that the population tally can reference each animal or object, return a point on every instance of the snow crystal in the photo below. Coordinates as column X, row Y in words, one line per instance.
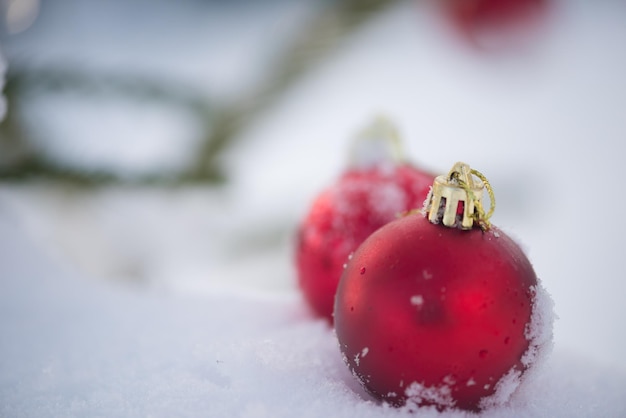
column 427, row 202
column 344, row 358
column 539, row 330
column 449, row 380
column 417, row 300
column 504, row 389
column 364, row 351
column 418, row 393
column 387, row 199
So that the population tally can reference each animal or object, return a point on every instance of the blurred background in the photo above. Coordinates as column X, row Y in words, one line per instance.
column 175, row 146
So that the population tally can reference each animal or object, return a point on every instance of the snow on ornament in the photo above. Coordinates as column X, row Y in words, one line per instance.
column 447, row 305
column 376, row 188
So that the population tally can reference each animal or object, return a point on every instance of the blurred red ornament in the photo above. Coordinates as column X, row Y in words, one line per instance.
column 438, row 314
column 492, row 22
column 375, row 190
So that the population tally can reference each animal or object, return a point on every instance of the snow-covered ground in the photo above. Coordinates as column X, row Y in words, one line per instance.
column 138, row 301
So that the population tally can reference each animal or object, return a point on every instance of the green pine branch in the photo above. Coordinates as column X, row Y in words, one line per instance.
column 19, row 160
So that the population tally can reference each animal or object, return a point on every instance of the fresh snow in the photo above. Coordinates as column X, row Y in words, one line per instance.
column 77, row 348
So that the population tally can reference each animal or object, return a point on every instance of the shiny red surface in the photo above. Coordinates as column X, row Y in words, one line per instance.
column 431, row 304
column 343, row 216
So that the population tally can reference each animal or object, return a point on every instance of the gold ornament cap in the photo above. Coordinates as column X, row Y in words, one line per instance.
column 455, row 199
column 378, row 143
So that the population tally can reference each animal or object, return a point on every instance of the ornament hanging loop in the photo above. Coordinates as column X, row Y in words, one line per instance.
column 456, row 199
column 492, row 198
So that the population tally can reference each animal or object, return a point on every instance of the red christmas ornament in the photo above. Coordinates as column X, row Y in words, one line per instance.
column 371, row 193
column 437, row 311
column 489, row 22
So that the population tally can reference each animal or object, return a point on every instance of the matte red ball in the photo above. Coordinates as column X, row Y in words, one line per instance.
column 474, row 18
column 343, row 216
column 435, row 312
